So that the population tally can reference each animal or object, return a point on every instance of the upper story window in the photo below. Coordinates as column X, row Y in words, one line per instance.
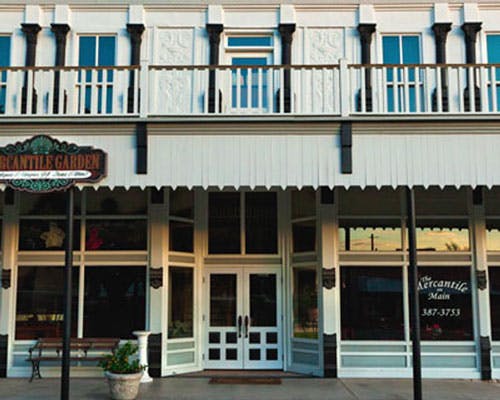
column 401, row 49
column 493, row 49
column 4, row 62
column 250, row 86
column 96, row 51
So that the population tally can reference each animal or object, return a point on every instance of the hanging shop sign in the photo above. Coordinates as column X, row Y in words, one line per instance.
column 42, row 164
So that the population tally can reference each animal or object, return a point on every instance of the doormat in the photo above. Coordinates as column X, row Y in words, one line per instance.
column 245, row 381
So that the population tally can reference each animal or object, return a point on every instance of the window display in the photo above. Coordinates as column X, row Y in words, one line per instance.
column 305, row 303
column 180, row 293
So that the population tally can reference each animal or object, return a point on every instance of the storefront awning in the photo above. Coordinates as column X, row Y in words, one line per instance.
column 299, row 160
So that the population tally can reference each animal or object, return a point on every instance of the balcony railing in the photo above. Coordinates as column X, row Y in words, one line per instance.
column 333, row 90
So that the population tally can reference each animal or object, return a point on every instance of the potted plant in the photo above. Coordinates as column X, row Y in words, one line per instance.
column 123, row 373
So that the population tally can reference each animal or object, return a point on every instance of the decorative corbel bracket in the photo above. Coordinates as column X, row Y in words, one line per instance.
column 156, row 277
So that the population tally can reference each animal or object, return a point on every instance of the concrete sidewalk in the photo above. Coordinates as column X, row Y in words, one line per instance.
column 182, row 388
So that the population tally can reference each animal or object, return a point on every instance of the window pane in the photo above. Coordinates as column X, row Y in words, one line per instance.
column 224, row 223
column 370, row 239
column 372, row 303
column 303, row 203
column 180, row 318
column 390, row 45
column 411, row 49
column 114, row 301
column 263, row 304
column 181, row 236
column 116, row 202
column 493, row 239
column 305, row 303
column 369, row 201
column 46, row 234
column 87, row 51
column 304, row 236
column 445, row 303
column 47, row 203
column 4, row 51
column 249, row 41
column 249, row 96
column 116, row 234
column 261, row 223
column 223, row 299
column 39, row 312
column 494, row 274
column 493, row 45
column 106, row 50
column 182, row 203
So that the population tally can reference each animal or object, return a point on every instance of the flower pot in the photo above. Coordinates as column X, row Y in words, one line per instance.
column 123, row 386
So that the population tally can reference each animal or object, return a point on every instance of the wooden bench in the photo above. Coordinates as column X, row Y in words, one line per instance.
column 79, row 351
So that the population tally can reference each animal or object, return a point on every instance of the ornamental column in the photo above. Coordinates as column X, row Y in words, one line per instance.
column 286, row 31
column 214, row 31
column 135, row 31
column 441, row 30
column 471, row 30
column 61, row 32
column 366, row 32
column 30, row 30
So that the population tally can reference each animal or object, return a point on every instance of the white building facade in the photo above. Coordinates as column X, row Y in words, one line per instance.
column 253, row 215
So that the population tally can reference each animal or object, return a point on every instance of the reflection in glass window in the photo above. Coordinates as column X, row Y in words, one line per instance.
column 50, row 235
column 494, row 275
column 46, row 203
column 180, row 316
column 442, row 239
column 305, row 303
column 116, row 202
column 115, row 302
column 261, row 223
column 124, row 234
column 445, row 303
column 224, row 223
column 493, row 239
column 39, row 312
column 372, row 303
column 370, row 239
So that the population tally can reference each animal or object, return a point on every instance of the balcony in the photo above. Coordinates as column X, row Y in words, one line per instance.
column 340, row 90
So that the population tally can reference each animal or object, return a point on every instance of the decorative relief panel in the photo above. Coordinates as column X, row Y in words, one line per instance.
column 326, row 46
column 174, row 47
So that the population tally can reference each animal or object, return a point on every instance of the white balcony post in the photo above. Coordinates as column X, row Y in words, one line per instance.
column 142, row 343
column 143, row 89
column 344, row 88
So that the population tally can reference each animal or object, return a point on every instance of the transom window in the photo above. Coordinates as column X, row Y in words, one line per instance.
column 243, row 223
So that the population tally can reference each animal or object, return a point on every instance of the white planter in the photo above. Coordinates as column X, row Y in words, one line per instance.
column 123, row 386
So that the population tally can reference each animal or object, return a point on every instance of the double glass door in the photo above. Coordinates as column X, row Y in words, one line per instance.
column 243, row 320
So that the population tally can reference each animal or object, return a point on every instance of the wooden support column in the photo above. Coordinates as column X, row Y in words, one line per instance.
column 328, row 256
column 9, row 281
column 61, row 32
column 441, row 30
column 158, row 258
column 480, row 270
column 471, row 30
column 366, row 32
column 31, row 33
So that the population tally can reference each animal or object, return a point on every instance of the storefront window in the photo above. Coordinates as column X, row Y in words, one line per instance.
column 493, row 239
column 305, row 303
column 372, row 303
column 445, row 303
column 47, row 203
column 261, row 223
column 181, row 230
column 39, row 311
column 370, row 239
column 114, row 301
column 116, row 202
column 304, row 220
column 45, row 234
column 494, row 275
column 180, row 316
column 116, row 234
column 181, row 236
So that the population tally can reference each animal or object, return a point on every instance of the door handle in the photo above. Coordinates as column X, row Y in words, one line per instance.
column 240, row 321
column 247, row 327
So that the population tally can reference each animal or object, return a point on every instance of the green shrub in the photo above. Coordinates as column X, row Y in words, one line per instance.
column 119, row 362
